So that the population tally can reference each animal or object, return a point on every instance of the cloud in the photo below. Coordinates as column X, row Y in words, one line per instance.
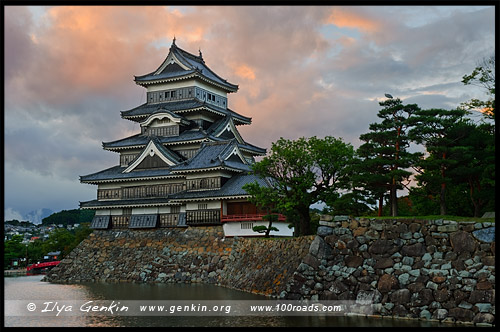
column 301, row 71
column 354, row 18
column 10, row 214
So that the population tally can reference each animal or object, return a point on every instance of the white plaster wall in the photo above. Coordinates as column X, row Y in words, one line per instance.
column 234, row 229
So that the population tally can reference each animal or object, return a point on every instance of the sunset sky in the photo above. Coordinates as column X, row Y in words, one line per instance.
column 301, row 71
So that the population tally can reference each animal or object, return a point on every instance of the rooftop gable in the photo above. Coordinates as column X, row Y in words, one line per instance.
column 154, row 148
column 180, row 64
column 215, row 155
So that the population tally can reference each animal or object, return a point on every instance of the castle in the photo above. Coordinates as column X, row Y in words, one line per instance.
column 188, row 164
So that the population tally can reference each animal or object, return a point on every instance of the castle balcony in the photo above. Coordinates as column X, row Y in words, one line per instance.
column 203, row 217
column 250, row 217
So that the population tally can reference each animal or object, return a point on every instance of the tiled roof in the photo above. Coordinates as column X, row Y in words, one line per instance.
column 124, row 202
column 196, row 66
column 212, row 155
column 116, row 173
column 233, row 187
column 182, row 106
column 196, row 134
column 140, row 140
column 166, row 151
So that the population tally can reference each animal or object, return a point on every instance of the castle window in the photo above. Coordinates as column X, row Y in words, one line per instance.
column 246, row 225
column 202, row 206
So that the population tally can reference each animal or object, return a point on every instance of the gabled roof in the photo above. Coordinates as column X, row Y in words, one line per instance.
column 162, row 113
column 115, row 174
column 187, row 136
column 154, row 148
column 184, row 106
column 180, row 65
column 232, row 188
column 215, row 155
column 225, row 129
column 139, row 140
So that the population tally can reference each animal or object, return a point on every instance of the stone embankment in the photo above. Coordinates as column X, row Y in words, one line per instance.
column 437, row 270
column 191, row 255
column 440, row 270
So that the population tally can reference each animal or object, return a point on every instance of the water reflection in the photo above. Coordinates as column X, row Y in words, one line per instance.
column 31, row 288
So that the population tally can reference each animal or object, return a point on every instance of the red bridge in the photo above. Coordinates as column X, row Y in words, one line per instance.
column 42, row 265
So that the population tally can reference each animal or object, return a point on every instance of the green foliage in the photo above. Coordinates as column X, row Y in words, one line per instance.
column 476, row 163
column 264, row 229
column 300, row 173
column 432, row 128
column 483, row 76
column 59, row 240
column 13, row 249
column 69, row 217
column 385, row 157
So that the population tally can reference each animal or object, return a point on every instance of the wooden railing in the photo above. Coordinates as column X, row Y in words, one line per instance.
column 249, row 217
column 203, row 217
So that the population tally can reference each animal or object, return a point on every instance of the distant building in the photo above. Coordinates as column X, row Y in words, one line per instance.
column 188, row 164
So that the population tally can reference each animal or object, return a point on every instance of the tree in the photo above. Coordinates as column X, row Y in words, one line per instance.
column 59, row 240
column 431, row 128
column 13, row 249
column 265, row 199
column 484, row 77
column 476, row 162
column 303, row 172
column 371, row 172
column 387, row 147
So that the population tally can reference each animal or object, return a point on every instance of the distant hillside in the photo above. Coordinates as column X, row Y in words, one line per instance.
column 69, row 217
column 37, row 216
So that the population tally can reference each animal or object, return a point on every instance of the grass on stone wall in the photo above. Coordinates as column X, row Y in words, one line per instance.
column 436, row 217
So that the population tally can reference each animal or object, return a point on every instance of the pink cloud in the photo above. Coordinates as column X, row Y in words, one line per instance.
column 353, row 17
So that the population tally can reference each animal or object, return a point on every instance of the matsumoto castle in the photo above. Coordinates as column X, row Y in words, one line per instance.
column 187, row 165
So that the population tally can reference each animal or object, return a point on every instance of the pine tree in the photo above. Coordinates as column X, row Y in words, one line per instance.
column 431, row 128
column 387, row 145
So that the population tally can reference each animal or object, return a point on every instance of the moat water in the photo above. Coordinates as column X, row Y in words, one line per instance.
column 23, row 291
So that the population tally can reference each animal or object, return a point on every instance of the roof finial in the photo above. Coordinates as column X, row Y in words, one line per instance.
column 173, row 42
column 201, row 55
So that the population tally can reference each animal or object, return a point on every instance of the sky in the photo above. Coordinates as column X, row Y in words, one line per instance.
column 302, row 71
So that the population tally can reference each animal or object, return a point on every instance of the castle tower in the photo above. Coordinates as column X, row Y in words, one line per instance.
column 188, row 164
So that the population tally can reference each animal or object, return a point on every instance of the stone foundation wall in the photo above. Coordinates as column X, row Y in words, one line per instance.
column 160, row 255
column 440, row 270
column 194, row 254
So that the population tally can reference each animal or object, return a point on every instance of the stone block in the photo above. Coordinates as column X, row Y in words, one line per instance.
column 386, row 283
column 483, row 307
column 311, row 261
column 448, row 228
column 353, row 261
column 483, row 318
column 404, row 279
column 461, row 314
column 401, row 296
column 480, row 296
column 324, row 230
column 485, row 235
column 462, row 242
column 425, row 314
column 379, row 247
column 325, row 217
column 440, row 314
column 383, row 263
column 417, row 249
